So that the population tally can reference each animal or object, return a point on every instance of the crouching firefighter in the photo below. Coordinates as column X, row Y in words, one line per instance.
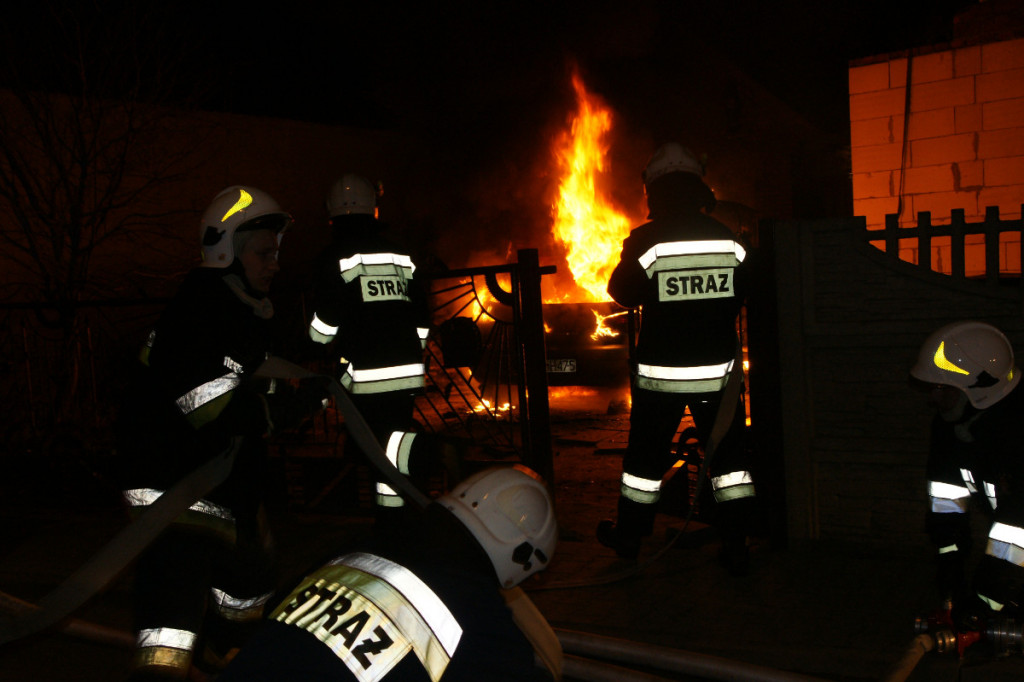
column 685, row 271
column 371, row 313
column 421, row 605
column 202, row 584
column 968, row 370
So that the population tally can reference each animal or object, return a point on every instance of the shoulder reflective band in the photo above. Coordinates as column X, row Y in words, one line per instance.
column 238, row 609
column 692, row 254
column 703, row 379
column 371, row 612
column 948, row 549
column 200, row 395
column 320, row 331
column 947, row 498
column 165, row 648
column 375, row 264
column 383, row 379
column 732, row 486
column 640, row 490
column 1006, row 542
column 143, row 497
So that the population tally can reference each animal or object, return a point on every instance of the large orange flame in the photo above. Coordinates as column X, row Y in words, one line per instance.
column 585, row 222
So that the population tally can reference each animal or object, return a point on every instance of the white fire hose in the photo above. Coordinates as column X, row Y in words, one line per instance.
column 650, row 656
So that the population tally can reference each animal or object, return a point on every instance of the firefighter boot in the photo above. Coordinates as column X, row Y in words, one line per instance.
column 733, row 520
column 610, row 534
column 735, row 555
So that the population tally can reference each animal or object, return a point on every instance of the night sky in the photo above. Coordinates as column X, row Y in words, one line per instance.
column 440, row 66
column 483, row 84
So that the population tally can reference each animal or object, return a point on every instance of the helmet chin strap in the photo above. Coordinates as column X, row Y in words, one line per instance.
column 261, row 307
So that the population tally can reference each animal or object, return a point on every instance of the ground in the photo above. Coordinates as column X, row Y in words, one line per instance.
column 822, row 611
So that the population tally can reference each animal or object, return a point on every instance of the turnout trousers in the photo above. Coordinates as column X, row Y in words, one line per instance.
column 653, row 422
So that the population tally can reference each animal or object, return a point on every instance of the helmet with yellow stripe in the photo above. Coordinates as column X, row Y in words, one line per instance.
column 237, row 209
column 974, row 357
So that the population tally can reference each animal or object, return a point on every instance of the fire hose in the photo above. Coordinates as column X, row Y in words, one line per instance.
column 1004, row 634
column 24, row 619
column 939, row 632
column 570, row 660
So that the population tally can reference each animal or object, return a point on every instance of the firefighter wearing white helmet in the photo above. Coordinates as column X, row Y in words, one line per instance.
column 685, row 271
column 967, row 368
column 371, row 319
column 423, row 603
column 671, row 157
column 509, row 513
column 234, row 210
column 352, row 194
column 974, row 357
column 195, row 394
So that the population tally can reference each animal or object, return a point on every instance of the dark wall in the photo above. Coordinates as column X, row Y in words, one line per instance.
column 854, row 434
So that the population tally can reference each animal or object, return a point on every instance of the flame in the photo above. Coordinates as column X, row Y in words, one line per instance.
column 601, row 330
column 485, row 405
column 585, row 222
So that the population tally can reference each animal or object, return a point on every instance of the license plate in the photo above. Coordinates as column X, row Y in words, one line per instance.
column 566, row 366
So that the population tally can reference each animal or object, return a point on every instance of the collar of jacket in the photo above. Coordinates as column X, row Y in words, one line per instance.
column 261, row 307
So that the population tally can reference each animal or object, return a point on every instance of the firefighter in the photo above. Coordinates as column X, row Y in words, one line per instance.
column 371, row 311
column 968, row 369
column 685, row 271
column 203, row 582
column 423, row 604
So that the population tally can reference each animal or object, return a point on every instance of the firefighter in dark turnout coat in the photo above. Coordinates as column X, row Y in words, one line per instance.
column 975, row 452
column 210, row 573
column 372, row 311
column 685, row 271
column 422, row 605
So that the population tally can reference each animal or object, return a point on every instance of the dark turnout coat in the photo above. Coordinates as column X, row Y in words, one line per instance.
column 421, row 605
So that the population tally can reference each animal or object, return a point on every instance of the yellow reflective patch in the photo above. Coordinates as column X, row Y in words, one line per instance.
column 942, row 363
column 359, row 632
column 244, row 199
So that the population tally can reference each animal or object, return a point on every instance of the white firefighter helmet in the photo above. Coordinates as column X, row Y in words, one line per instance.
column 352, row 193
column 973, row 356
column 237, row 209
column 508, row 510
column 671, row 157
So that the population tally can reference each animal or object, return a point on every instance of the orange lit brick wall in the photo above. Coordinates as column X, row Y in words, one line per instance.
column 965, row 138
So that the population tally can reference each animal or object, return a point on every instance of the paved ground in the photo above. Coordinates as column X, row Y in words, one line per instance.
column 835, row 613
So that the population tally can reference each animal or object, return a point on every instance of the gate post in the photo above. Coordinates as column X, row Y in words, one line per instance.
column 534, row 411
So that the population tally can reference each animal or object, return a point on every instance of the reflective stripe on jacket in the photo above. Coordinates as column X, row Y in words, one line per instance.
column 371, row 612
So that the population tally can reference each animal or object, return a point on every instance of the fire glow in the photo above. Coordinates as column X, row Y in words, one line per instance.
column 586, row 223
column 603, row 331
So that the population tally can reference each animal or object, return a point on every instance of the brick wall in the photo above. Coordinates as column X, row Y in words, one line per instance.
column 964, row 142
